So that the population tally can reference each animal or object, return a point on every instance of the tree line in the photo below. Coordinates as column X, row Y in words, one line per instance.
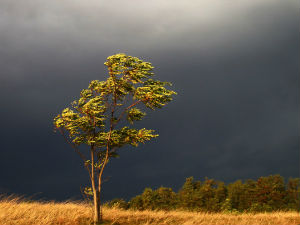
column 269, row 193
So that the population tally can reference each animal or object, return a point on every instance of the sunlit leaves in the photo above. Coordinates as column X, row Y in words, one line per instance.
column 135, row 114
column 95, row 118
column 154, row 94
column 88, row 191
column 130, row 136
column 131, row 68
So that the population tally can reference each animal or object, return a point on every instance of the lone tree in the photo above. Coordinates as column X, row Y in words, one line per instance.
column 102, row 118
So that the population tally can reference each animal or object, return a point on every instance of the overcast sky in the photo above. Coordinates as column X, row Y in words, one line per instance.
column 234, row 64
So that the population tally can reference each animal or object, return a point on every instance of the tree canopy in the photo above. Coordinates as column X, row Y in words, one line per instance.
column 104, row 115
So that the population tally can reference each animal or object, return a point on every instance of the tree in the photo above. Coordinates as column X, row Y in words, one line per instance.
column 248, row 199
column 166, row 199
column 220, row 195
column 292, row 199
column 136, row 203
column 95, row 119
column 235, row 193
column 149, row 197
column 186, row 194
column 207, row 194
column 270, row 192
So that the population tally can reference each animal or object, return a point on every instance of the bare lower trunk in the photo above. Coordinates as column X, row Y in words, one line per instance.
column 96, row 193
column 97, row 213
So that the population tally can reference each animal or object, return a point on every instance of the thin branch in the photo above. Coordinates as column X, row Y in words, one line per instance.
column 110, row 131
column 93, row 167
column 122, row 114
column 105, row 160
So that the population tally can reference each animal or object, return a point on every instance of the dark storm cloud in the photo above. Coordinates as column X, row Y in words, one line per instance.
column 235, row 66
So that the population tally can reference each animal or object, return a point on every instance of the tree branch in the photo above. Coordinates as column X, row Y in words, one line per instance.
column 110, row 131
column 122, row 114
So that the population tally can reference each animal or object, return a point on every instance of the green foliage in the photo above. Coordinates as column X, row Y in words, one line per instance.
column 187, row 198
column 235, row 194
column 93, row 118
column 292, row 197
column 226, row 205
column 219, row 196
column 202, row 196
column 136, row 203
column 88, row 191
column 264, row 195
column 161, row 199
column 249, row 195
column 166, row 198
column 135, row 114
column 148, row 197
column 207, row 195
column 270, row 192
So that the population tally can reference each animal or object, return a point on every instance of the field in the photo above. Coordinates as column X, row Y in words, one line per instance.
column 16, row 211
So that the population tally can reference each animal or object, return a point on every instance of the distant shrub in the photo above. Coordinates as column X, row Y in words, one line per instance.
column 136, row 203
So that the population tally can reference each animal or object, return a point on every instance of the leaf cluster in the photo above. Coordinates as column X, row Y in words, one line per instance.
column 95, row 118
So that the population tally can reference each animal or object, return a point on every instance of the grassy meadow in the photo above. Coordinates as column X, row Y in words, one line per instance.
column 14, row 211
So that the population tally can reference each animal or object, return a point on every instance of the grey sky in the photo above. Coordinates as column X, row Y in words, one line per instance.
column 234, row 64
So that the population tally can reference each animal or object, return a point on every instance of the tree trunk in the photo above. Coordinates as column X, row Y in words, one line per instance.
column 97, row 213
column 96, row 193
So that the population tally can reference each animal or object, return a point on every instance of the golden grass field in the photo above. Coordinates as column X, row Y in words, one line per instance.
column 18, row 212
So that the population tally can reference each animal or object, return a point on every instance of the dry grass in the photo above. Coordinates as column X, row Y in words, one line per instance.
column 15, row 211
column 189, row 218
